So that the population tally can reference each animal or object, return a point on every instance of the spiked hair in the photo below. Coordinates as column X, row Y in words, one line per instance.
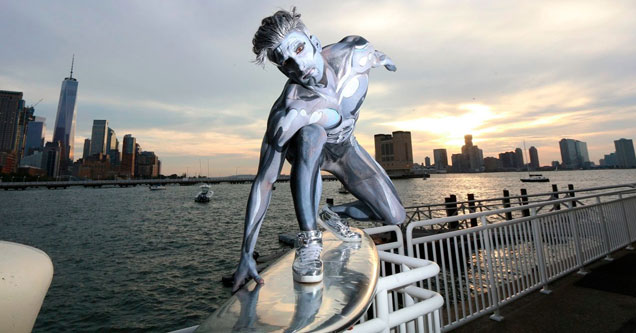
column 273, row 30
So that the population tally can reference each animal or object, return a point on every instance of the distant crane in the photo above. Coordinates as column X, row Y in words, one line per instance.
column 38, row 102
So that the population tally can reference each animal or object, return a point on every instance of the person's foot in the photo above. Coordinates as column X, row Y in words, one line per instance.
column 307, row 266
column 337, row 225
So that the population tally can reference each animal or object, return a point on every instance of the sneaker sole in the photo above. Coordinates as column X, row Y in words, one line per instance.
column 307, row 279
column 342, row 238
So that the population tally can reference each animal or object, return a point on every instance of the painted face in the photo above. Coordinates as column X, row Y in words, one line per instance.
column 299, row 59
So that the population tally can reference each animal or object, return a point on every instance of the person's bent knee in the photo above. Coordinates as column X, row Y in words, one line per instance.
column 312, row 135
column 397, row 217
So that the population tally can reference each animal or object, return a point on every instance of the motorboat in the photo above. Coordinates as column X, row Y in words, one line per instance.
column 157, row 187
column 205, row 195
column 535, row 178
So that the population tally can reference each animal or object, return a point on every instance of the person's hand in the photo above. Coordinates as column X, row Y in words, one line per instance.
column 245, row 271
column 385, row 61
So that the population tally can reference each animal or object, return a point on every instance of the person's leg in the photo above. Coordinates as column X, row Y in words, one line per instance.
column 306, row 185
column 305, row 179
column 369, row 183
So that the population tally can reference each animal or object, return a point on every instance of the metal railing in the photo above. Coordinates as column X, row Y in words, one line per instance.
column 431, row 211
column 487, row 266
column 399, row 305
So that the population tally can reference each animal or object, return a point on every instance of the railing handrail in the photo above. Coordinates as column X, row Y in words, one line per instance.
column 455, row 218
column 631, row 185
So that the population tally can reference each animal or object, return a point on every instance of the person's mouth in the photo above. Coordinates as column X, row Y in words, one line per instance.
column 309, row 73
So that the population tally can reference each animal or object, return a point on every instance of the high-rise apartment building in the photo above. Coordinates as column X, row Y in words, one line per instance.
column 11, row 105
column 625, row 156
column 427, row 161
column 394, row 152
column 64, row 131
column 534, row 158
column 148, row 164
column 574, row 153
column 519, row 163
column 51, row 158
column 87, row 148
column 99, row 137
column 128, row 150
column 112, row 148
column 14, row 120
column 440, row 158
column 36, row 132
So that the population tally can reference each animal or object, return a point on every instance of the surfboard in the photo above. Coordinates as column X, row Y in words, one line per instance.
column 350, row 275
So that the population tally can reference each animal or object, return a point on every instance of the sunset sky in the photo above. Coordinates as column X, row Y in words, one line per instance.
column 178, row 75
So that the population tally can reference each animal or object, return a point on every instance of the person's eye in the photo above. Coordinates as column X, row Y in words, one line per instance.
column 300, row 48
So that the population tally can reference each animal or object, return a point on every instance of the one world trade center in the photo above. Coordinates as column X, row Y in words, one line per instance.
column 64, row 131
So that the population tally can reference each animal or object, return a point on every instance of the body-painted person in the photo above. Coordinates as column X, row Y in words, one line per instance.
column 311, row 125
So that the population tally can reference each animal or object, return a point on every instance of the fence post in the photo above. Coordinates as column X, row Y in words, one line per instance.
column 629, row 236
column 493, row 289
column 471, row 208
column 555, row 196
column 451, row 210
column 506, row 204
column 571, row 195
column 538, row 244
column 524, row 201
column 574, row 228
column 382, row 307
column 608, row 249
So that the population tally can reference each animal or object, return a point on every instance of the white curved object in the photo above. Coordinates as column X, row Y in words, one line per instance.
column 25, row 277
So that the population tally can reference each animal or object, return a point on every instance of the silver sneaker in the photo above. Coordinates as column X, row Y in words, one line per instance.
column 337, row 225
column 307, row 266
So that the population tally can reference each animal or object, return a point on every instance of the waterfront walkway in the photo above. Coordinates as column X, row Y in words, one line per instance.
column 602, row 301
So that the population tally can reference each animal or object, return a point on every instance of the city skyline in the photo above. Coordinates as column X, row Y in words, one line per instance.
column 506, row 74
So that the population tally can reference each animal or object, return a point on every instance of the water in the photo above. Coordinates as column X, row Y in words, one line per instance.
column 130, row 259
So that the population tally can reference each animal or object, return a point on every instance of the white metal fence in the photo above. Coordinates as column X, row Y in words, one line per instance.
column 399, row 304
column 485, row 267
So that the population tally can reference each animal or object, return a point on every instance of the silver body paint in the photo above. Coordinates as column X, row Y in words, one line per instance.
column 311, row 125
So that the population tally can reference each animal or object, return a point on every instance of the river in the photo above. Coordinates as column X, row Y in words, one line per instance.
column 130, row 259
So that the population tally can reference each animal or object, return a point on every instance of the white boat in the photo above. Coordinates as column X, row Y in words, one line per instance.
column 205, row 195
column 156, row 187
column 535, row 178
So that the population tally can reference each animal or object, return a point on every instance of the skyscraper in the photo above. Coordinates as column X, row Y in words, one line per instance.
column 440, row 159
column 519, row 163
column 534, row 158
column 11, row 105
column 87, row 148
column 573, row 153
column 99, row 137
column 128, row 156
column 36, row 131
column 64, row 131
column 14, row 120
column 112, row 148
column 472, row 154
column 625, row 153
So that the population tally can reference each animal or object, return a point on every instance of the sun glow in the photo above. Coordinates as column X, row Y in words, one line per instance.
column 451, row 126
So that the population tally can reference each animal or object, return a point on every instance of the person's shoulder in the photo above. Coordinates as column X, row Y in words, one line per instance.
column 347, row 44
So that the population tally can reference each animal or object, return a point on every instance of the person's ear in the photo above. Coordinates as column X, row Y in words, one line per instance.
column 316, row 42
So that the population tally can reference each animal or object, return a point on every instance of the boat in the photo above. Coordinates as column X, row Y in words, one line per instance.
column 343, row 190
column 156, row 187
column 205, row 195
column 535, row 178
column 426, row 175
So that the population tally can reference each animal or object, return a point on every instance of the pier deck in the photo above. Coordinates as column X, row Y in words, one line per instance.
column 602, row 301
